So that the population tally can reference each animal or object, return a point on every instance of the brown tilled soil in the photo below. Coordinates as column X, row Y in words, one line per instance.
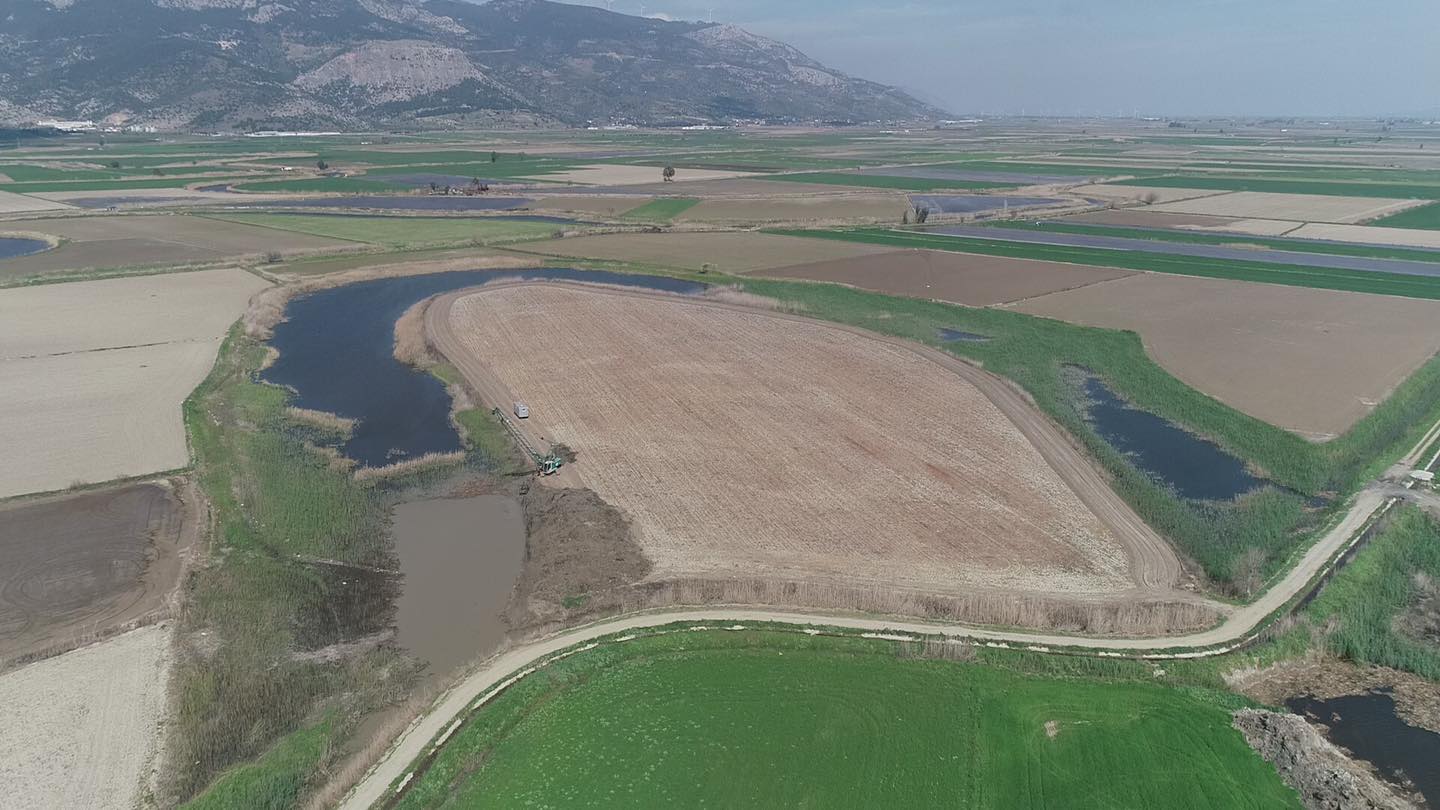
column 1295, row 207
column 1143, row 218
column 74, row 567
column 956, row 277
column 125, row 241
column 729, row 441
column 608, row 205
column 1310, row 361
column 723, row 252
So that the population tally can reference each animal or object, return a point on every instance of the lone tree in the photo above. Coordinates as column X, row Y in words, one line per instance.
column 321, row 165
column 922, row 214
column 494, row 157
column 668, row 174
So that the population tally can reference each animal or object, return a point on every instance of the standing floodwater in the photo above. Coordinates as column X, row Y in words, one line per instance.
column 460, row 560
column 336, row 352
column 1197, row 469
column 1368, row 726
column 12, row 247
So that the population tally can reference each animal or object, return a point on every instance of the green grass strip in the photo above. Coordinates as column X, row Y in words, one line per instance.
column 1291, row 275
column 1424, row 218
column 662, row 210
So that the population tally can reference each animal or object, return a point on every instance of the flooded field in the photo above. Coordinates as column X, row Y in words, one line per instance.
column 459, row 560
column 957, row 336
column 336, row 354
column 1195, row 468
column 12, row 246
column 1368, row 726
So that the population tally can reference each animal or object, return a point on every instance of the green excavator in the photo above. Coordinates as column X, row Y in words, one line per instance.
column 545, row 463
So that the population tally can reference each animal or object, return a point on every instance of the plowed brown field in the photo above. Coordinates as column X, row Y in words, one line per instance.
column 746, row 443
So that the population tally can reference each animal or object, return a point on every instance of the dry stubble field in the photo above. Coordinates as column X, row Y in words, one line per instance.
column 1294, row 207
column 82, row 729
column 92, row 373
column 743, row 444
column 1310, row 361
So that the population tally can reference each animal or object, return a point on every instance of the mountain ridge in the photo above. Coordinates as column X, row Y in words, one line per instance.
column 434, row 64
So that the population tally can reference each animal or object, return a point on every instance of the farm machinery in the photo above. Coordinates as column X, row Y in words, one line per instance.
column 545, row 463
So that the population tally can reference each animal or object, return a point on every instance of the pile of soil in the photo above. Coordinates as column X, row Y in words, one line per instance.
column 1323, row 776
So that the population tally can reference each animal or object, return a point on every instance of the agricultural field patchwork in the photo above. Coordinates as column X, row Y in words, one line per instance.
column 723, row 252
column 402, row 231
column 819, row 208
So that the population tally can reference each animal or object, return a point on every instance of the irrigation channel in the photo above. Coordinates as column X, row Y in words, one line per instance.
column 1359, row 263
column 1242, row 627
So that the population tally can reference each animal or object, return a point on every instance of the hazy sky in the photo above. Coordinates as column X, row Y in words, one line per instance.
column 1246, row 57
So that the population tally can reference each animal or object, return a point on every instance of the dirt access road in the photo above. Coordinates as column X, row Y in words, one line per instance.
column 1151, row 565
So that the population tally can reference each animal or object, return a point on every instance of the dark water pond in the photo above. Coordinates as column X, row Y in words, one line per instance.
column 1368, row 726
column 957, row 336
column 1197, row 469
column 402, row 202
column 336, row 352
column 14, row 246
column 974, row 203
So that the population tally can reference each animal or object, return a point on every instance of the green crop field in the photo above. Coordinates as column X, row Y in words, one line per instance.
column 1292, row 275
column 662, row 210
column 874, row 181
column 1426, row 218
column 1196, row 238
column 1404, row 191
column 402, row 231
column 765, row 719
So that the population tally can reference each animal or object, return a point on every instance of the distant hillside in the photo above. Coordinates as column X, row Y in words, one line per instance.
column 307, row 64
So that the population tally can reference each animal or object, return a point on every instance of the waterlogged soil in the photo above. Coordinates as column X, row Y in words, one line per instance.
column 460, row 559
column 12, row 247
column 1195, row 468
column 336, row 353
column 959, row 336
column 1368, row 726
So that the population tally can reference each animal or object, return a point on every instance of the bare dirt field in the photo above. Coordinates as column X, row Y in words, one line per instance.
column 745, row 443
column 883, row 207
column 123, row 241
column 614, row 174
column 1369, row 234
column 1310, row 361
column 75, row 566
column 11, row 203
column 93, row 373
column 977, row 281
column 602, row 204
column 1160, row 195
column 1295, row 207
column 725, row 252
column 83, row 729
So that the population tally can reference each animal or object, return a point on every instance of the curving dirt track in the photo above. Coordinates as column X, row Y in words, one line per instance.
column 1150, row 562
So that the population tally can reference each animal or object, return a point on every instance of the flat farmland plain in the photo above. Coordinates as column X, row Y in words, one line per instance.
column 80, row 564
column 743, row 443
column 960, row 278
column 886, row 207
column 1308, row 360
column 92, row 373
column 82, row 729
column 725, row 252
column 125, row 241
column 1294, row 207
column 1370, row 234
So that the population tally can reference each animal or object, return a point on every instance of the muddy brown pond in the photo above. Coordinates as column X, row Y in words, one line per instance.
column 462, row 557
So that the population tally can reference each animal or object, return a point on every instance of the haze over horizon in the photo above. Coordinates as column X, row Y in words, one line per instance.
column 1112, row 57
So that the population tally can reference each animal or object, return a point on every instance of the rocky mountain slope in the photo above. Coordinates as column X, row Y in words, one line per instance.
column 307, row 64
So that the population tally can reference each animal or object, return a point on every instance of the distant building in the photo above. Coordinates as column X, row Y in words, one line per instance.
column 67, row 126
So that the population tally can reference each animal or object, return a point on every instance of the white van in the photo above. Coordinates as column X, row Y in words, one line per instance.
column 522, row 411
